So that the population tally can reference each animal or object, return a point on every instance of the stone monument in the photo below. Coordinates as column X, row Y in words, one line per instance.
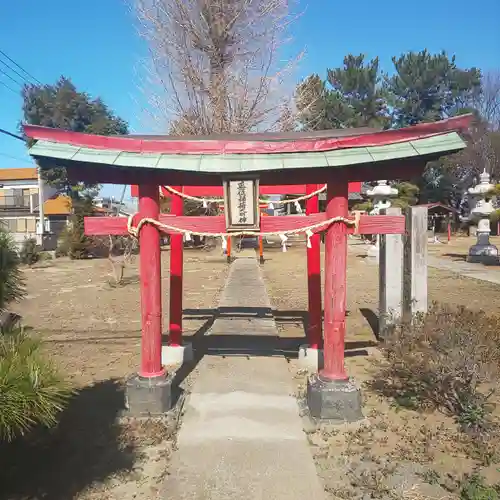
column 380, row 195
column 481, row 197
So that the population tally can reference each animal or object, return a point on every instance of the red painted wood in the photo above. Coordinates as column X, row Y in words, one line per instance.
column 335, row 282
column 150, row 271
column 218, row 191
column 368, row 224
column 228, row 249
column 176, row 270
column 314, row 330
column 231, row 146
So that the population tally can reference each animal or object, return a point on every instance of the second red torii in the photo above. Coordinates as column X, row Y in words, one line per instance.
column 217, row 191
column 315, row 309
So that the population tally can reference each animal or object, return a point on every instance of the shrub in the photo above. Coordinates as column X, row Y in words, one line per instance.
column 11, row 279
column 29, row 252
column 44, row 256
column 31, row 391
column 445, row 360
column 72, row 241
column 62, row 249
column 474, row 488
column 494, row 219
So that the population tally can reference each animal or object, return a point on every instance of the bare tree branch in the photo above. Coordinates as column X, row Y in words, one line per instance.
column 214, row 65
column 488, row 102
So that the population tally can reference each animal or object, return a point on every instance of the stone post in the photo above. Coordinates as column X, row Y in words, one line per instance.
column 390, row 277
column 415, row 263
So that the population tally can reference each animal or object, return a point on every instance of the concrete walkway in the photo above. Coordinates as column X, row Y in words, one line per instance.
column 476, row 271
column 465, row 269
column 241, row 435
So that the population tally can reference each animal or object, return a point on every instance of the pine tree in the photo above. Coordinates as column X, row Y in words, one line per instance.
column 356, row 92
column 351, row 96
column 427, row 87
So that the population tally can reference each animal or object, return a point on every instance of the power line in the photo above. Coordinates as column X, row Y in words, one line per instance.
column 14, row 71
column 15, row 158
column 11, row 77
column 20, row 67
column 15, row 136
column 10, row 88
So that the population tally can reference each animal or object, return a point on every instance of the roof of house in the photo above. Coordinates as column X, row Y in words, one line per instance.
column 352, row 196
column 441, row 206
column 18, row 174
column 60, row 205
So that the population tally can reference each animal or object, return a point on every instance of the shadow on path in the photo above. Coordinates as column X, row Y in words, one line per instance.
column 243, row 343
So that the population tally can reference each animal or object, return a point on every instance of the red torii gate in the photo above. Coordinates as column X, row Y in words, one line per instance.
column 351, row 155
column 315, row 310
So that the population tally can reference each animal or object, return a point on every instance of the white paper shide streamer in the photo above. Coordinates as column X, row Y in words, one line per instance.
column 309, row 234
column 283, row 238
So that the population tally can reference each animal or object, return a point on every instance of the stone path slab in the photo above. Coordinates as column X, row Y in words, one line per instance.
column 468, row 270
column 241, row 435
column 465, row 269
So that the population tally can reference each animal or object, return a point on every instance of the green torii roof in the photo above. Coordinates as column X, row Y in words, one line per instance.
column 249, row 153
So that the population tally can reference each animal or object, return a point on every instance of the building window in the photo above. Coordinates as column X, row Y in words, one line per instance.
column 21, row 225
column 9, row 225
column 30, row 225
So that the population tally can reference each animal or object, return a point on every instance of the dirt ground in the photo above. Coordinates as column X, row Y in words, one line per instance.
column 355, row 461
column 92, row 332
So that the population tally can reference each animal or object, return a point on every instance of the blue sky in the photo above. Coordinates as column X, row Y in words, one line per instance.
column 94, row 42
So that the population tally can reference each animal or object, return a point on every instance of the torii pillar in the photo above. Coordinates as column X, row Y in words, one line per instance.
column 330, row 392
column 149, row 391
column 311, row 355
column 177, row 351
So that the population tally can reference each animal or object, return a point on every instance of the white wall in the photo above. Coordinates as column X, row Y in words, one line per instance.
column 48, row 191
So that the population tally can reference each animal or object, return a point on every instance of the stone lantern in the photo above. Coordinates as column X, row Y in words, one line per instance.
column 380, row 195
column 481, row 197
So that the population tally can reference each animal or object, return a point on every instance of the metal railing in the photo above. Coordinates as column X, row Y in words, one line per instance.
column 21, row 203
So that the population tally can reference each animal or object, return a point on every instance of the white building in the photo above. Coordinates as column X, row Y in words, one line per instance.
column 21, row 193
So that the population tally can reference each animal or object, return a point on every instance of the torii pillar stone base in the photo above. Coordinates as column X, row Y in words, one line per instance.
column 145, row 396
column 333, row 399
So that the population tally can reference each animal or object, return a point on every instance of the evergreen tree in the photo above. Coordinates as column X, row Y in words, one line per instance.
column 427, row 87
column 351, row 97
column 357, row 94
column 62, row 106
